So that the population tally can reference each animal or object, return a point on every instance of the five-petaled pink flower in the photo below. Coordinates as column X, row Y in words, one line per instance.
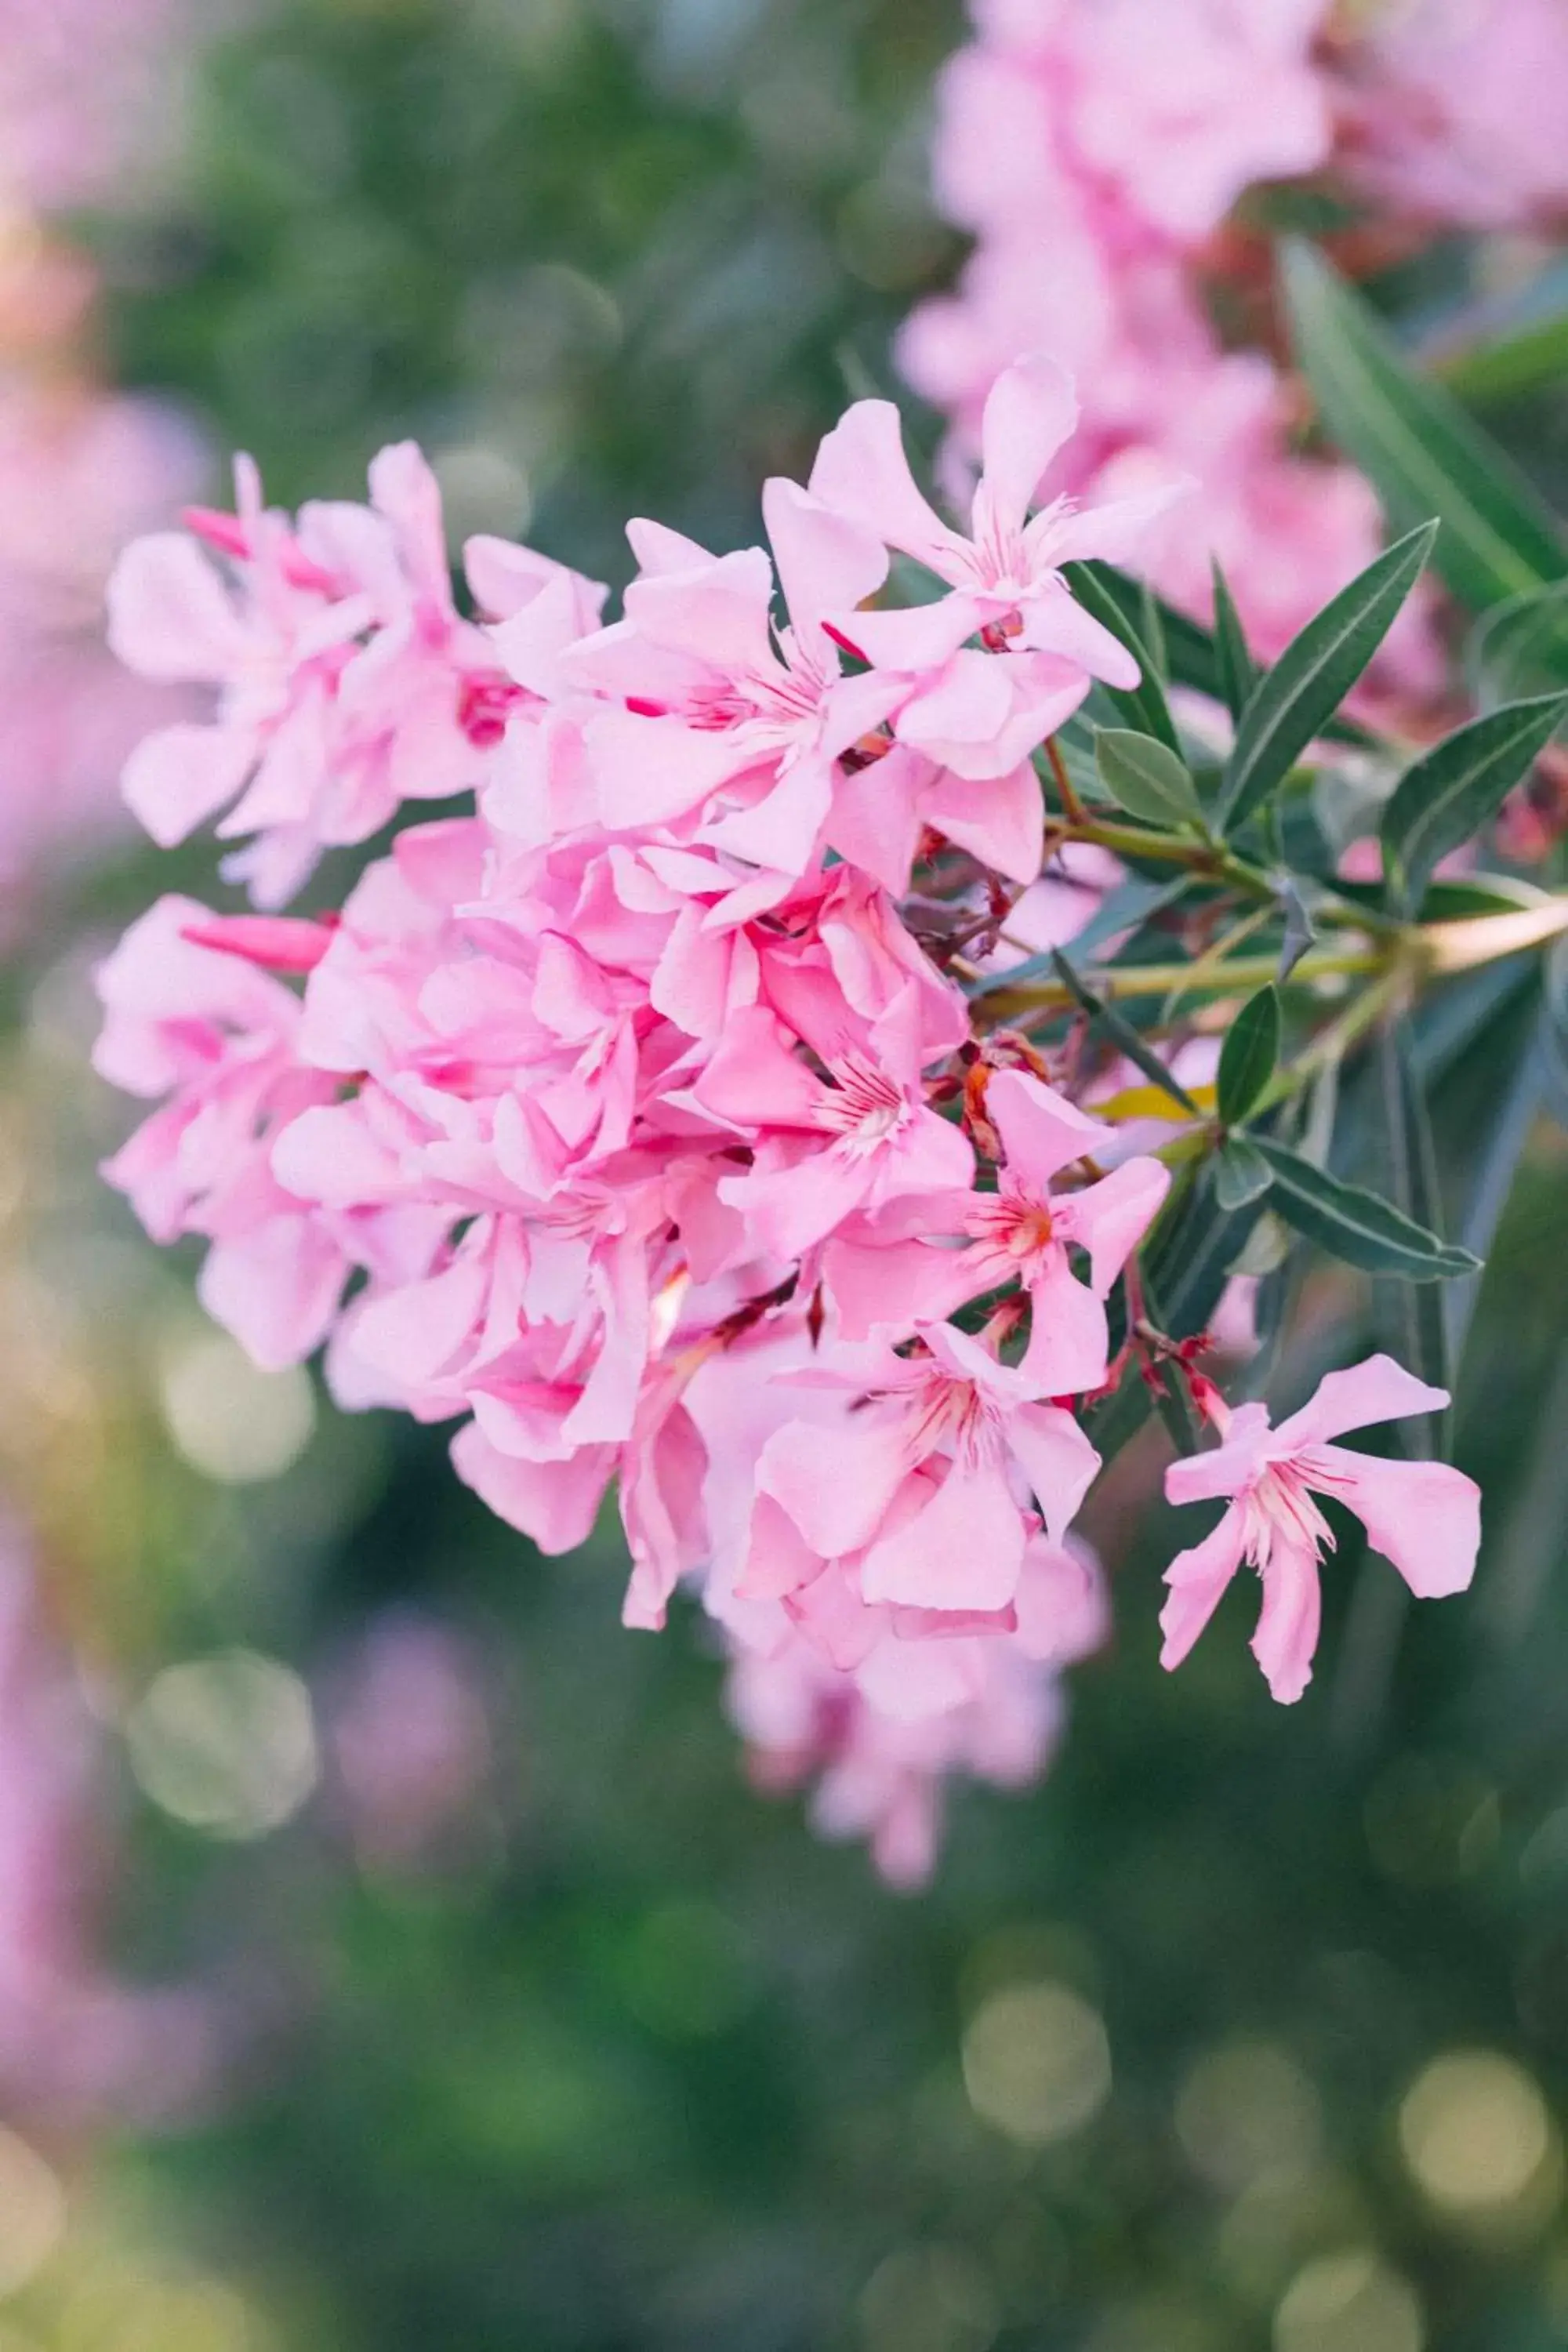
column 1422, row 1516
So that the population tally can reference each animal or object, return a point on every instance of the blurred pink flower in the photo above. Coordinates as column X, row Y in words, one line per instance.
column 410, row 1732
column 1454, row 110
column 74, row 2040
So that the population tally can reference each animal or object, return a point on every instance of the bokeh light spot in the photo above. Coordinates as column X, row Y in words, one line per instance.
column 1349, row 2301
column 1476, row 2136
column 225, row 1743
column 1245, row 2112
column 1036, row 2062
column 928, row 2299
column 229, row 1419
column 32, row 2212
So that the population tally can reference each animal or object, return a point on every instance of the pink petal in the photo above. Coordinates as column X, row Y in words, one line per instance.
column 755, row 1079
column 1055, row 622
column 1000, row 820
column 876, row 820
column 1111, row 1218
column 1057, row 1459
column 964, row 1550
column 718, row 613
column 176, row 778
column 1377, row 1390
column 277, row 1290
column 1041, row 1132
column 861, row 472
column 1196, row 1579
column 555, row 1503
column 778, row 1559
column 896, row 1284
column 1115, row 533
column 825, row 561
column 1287, row 1635
column 1223, row 1469
column 1069, row 1342
column 1031, row 411
column 650, row 771
column 170, row 615
column 1423, row 1516
column 781, row 831
column 835, row 1483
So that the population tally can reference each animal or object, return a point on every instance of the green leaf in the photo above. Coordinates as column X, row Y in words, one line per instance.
column 1424, row 453
column 1312, row 677
column 1554, row 1032
column 1298, row 931
column 1145, row 706
column 1238, row 670
column 1122, row 1033
column 1241, row 1173
column 1146, row 779
column 1457, row 787
column 1356, row 1226
column 1248, row 1055
column 1520, row 648
column 1417, row 1311
column 1529, row 358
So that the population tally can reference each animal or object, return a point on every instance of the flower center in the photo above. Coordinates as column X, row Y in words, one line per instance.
column 864, row 1106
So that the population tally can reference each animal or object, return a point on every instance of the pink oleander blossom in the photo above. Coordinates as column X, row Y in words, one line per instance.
column 1422, row 1516
column 979, row 712
column 881, row 1772
column 1453, row 111
column 1023, row 1232
column 347, row 681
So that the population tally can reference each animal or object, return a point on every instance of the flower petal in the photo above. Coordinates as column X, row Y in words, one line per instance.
column 1196, row 1580
column 1377, row 1390
column 1423, row 1516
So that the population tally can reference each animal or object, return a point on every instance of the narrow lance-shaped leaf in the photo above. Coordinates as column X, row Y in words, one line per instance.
column 1519, row 647
column 1241, row 1173
column 1122, row 1033
column 1424, row 453
column 1145, row 706
column 1417, row 1311
column 1238, row 670
column 1248, row 1055
column 1298, row 931
column 1146, row 778
column 1312, row 677
column 1458, row 786
column 1356, row 1226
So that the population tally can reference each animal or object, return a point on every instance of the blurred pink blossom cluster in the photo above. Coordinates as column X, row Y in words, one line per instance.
column 1096, row 150
column 636, row 1123
column 80, row 468
column 73, row 2038
column 1451, row 112
column 77, row 93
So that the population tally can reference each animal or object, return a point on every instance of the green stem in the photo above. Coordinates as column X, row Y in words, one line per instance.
column 1242, row 974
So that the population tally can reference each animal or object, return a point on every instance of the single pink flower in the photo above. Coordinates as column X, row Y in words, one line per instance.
column 827, row 1147
column 1024, row 1233
column 1422, row 1516
column 981, row 713
column 954, row 1412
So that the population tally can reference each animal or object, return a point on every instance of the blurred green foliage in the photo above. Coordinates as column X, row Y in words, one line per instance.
column 596, row 254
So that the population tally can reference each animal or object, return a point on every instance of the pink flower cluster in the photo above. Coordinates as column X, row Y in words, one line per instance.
column 1451, row 111
column 1096, row 148
column 78, row 471
column 77, row 91
column 632, row 1123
